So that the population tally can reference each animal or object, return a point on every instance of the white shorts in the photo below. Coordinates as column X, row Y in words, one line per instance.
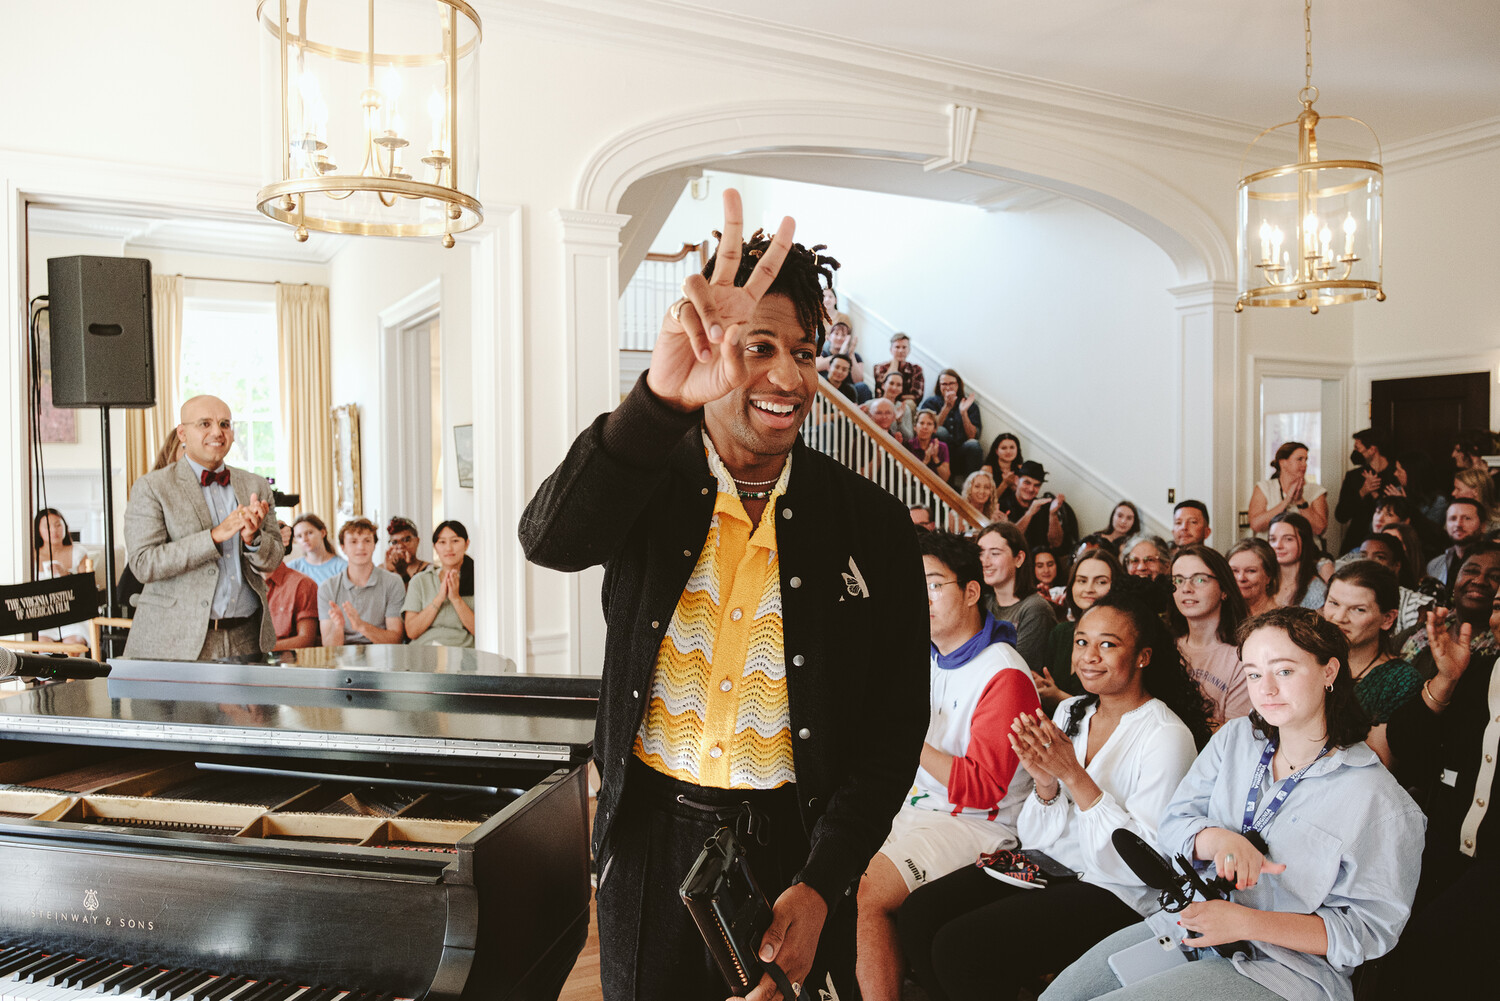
column 926, row 844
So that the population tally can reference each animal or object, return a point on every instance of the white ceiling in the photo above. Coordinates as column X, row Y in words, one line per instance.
column 254, row 238
column 1408, row 68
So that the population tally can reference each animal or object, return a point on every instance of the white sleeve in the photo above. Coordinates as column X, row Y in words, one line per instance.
column 1145, row 785
column 1038, row 825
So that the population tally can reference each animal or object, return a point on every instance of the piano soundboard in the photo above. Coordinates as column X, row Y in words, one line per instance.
column 399, row 823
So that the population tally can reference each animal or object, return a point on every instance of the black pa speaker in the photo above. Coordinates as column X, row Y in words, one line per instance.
column 99, row 312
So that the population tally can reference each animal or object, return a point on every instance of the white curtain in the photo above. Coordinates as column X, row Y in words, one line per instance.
column 306, row 395
column 147, row 431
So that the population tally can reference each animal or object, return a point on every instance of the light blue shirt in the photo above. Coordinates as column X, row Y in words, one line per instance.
column 319, row 572
column 1351, row 840
column 234, row 598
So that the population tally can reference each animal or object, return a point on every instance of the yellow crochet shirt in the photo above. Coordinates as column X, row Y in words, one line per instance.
column 718, row 713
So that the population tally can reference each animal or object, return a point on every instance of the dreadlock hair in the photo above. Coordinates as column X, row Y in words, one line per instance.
column 1309, row 631
column 803, row 275
column 1165, row 676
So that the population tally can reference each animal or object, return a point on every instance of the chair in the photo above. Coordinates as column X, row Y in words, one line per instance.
column 48, row 604
column 96, row 626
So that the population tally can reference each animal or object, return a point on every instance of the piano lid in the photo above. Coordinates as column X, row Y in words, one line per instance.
column 309, row 722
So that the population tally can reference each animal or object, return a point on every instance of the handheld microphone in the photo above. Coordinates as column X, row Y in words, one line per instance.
column 1177, row 886
column 35, row 665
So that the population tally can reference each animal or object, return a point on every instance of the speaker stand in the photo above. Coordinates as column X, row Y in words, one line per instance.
column 109, row 515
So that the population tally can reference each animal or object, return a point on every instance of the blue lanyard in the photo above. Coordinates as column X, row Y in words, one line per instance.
column 1254, row 823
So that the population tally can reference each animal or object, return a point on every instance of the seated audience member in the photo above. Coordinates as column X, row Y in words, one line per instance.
column 1375, row 475
column 439, row 606
column 1124, row 521
column 292, row 600
column 1473, row 593
column 1470, row 448
column 322, row 561
column 1390, row 511
column 1013, row 597
column 969, row 788
column 363, row 603
column 53, row 555
column 1047, row 521
column 1146, row 556
column 831, row 307
column 401, row 540
column 1289, row 489
column 1096, row 540
column 1106, row 760
column 1190, row 523
column 1047, row 571
column 1297, row 556
column 978, row 490
column 1361, row 601
column 1335, row 886
column 958, row 421
column 921, row 517
column 883, row 413
column 1206, row 613
column 1411, row 604
column 1444, row 743
column 893, row 389
column 1476, row 485
column 1090, row 579
column 1256, row 574
column 838, row 377
column 926, row 445
column 840, row 341
column 1003, row 460
column 1465, row 527
column 912, row 372
column 1411, row 542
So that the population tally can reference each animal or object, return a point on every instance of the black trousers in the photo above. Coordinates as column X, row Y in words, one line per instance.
column 1449, row 942
column 649, row 947
column 970, row 936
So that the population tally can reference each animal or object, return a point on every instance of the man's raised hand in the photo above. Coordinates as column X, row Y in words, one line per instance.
column 699, row 355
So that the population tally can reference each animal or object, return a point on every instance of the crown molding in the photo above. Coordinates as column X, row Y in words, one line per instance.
column 1445, row 145
column 691, row 34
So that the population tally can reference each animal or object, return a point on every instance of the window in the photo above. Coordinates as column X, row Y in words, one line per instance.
column 229, row 351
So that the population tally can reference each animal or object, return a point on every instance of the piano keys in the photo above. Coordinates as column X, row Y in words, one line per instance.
column 407, row 822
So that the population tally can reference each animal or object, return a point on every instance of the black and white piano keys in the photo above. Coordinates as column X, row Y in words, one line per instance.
column 361, row 824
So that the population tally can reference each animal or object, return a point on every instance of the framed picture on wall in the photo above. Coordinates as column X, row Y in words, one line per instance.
column 58, row 426
column 463, row 453
column 346, row 475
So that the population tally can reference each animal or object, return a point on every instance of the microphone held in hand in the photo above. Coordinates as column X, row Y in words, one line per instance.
column 35, row 665
column 1178, row 887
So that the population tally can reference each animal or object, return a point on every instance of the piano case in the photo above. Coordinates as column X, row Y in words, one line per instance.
column 404, row 822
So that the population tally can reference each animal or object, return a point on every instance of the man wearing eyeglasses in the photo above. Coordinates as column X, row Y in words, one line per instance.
column 198, row 538
column 969, row 789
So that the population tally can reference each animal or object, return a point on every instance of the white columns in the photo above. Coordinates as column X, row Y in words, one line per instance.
column 1208, row 355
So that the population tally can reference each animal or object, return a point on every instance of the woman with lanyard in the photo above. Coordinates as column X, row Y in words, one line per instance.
column 1292, row 806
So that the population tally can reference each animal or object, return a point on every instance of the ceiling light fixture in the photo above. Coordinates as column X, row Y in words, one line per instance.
column 345, row 86
column 1309, row 233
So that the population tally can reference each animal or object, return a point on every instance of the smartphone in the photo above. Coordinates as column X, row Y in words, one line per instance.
column 1146, row 959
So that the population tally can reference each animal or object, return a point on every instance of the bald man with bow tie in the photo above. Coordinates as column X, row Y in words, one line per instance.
column 198, row 537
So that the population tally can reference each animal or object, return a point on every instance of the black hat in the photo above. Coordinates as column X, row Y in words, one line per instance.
column 1033, row 469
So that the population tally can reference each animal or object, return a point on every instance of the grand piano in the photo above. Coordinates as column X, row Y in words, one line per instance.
column 354, row 824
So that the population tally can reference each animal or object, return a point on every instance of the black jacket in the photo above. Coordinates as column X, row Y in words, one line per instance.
column 635, row 494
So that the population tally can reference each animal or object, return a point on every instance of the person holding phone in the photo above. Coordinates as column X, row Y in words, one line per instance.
column 1321, row 842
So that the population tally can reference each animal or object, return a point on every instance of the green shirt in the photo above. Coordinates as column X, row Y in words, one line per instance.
column 446, row 629
column 1386, row 688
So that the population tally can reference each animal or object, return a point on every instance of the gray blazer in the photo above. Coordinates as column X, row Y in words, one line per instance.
column 168, row 536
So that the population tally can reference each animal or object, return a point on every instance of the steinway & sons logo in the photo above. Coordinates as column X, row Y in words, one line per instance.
column 88, row 916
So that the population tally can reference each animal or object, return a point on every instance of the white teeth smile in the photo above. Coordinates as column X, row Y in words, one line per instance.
column 773, row 408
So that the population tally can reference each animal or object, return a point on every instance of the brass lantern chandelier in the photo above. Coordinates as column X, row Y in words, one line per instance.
column 1310, row 231
column 371, row 116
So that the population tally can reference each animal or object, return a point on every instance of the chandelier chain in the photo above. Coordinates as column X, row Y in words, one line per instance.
column 1307, row 37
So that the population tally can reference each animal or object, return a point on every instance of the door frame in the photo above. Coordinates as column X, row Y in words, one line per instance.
column 400, row 421
column 1415, row 368
column 1334, row 466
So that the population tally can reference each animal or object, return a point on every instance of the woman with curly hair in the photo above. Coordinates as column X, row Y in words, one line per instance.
column 979, row 490
column 1289, row 803
column 1107, row 759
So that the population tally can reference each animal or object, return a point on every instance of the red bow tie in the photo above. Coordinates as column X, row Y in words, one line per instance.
column 221, row 477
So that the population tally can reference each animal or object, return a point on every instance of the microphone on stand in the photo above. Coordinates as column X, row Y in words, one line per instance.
column 1177, row 886
column 36, row 665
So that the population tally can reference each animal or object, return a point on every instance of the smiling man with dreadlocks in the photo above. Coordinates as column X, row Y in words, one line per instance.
column 766, row 654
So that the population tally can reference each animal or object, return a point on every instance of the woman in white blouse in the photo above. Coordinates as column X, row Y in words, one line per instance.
column 1108, row 759
column 1289, row 489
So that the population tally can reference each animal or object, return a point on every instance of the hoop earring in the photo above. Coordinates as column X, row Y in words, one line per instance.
column 1329, row 689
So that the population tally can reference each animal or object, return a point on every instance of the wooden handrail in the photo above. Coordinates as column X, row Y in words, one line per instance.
column 898, row 451
column 687, row 248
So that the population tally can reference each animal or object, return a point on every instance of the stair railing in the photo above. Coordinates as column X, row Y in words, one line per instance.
column 657, row 284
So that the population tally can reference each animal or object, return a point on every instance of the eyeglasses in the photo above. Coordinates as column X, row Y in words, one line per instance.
column 934, row 585
column 1143, row 561
column 1197, row 580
